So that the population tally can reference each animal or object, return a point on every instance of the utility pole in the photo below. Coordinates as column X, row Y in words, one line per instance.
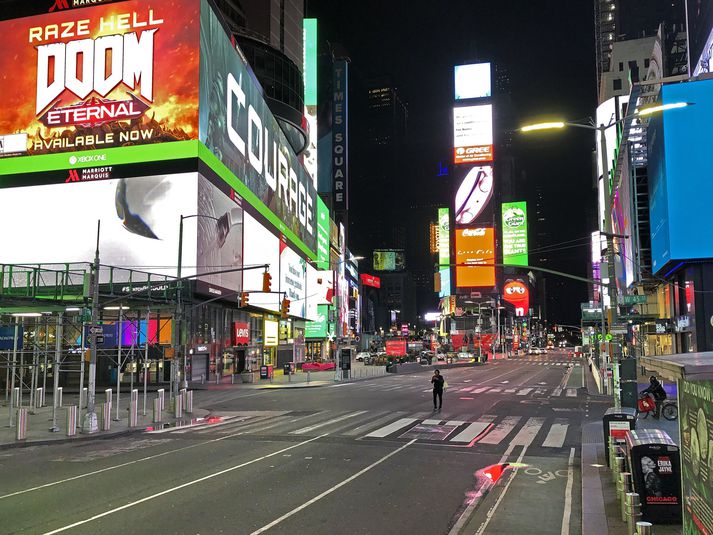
column 90, row 424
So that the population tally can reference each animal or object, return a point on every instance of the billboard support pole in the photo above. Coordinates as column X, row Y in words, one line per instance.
column 90, row 418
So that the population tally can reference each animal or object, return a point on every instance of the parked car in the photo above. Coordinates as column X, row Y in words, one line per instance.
column 362, row 356
column 441, row 357
column 462, row 355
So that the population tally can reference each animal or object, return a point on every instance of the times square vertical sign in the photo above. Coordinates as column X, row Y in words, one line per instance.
column 339, row 136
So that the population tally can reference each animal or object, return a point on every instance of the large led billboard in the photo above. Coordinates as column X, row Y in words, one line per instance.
column 309, row 71
column 472, row 81
column 101, row 77
column 238, row 128
column 517, row 293
column 139, row 223
column 679, row 176
column 514, row 225
column 473, row 134
column 389, row 260
column 473, row 195
column 444, row 252
column 475, row 257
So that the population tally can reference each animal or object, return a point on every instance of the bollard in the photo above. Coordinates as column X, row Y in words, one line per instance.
column 622, row 489
column 643, row 528
column 633, row 512
column 15, row 397
column 161, row 393
column 217, row 379
column 21, row 430
column 178, row 407
column 182, row 392
column 108, row 395
column 71, row 420
column 188, row 402
column 157, row 410
column 84, row 400
column 39, row 395
column 134, row 408
column 58, row 401
column 232, row 378
column 308, row 376
column 106, row 415
column 618, row 468
column 44, row 391
column 202, row 378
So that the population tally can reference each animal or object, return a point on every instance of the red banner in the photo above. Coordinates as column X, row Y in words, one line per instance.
column 395, row 348
column 241, row 333
column 370, row 280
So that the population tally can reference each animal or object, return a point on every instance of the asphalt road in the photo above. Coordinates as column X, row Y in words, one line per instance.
column 366, row 457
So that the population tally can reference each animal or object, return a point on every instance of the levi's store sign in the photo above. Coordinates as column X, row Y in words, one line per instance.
column 475, row 257
column 241, row 333
column 370, row 280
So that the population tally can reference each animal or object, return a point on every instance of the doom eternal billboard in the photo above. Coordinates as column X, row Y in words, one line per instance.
column 97, row 92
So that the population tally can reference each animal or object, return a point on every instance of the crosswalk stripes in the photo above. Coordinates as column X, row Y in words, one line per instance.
column 458, row 430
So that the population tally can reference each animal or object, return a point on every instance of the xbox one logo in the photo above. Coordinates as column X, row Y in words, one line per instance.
column 72, row 160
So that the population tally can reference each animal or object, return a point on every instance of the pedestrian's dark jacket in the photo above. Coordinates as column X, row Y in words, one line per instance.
column 438, row 381
column 656, row 390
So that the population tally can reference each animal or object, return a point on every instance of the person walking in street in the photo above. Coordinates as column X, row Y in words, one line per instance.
column 438, row 383
column 657, row 391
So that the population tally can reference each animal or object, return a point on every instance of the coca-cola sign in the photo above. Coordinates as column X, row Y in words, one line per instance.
column 241, row 333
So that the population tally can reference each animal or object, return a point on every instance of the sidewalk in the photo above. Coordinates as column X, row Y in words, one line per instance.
column 601, row 514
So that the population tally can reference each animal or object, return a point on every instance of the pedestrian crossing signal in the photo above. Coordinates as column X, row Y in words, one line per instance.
column 243, row 299
column 285, row 308
column 266, row 282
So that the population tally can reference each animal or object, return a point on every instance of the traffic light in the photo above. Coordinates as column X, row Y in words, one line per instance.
column 266, row 282
column 243, row 299
column 285, row 308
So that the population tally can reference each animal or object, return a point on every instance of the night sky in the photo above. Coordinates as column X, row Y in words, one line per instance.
column 547, row 49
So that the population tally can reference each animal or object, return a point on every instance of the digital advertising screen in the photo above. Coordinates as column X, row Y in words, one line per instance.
column 475, row 247
column 473, row 134
column 389, row 260
column 293, row 279
column 514, row 225
column 100, row 77
column 473, row 195
column 139, row 223
column 320, row 328
column 444, row 251
column 679, row 182
column 517, row 293
column 239, row 129
column 472, row 81
column 260, row 247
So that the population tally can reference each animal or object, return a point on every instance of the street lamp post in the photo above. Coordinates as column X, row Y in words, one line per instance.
column 179, row 305
column 606, row 225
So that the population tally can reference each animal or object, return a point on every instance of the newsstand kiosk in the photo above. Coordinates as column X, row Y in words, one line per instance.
column 654, row 461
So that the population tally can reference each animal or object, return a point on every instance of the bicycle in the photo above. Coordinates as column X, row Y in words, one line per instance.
column 647, row 405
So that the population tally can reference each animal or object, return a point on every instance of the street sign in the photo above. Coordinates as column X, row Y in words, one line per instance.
column 632, row 299
column 100, row 339
column 95, row 329
column 618, row 329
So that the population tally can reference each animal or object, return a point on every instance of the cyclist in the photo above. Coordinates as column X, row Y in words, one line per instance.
column 659, row 394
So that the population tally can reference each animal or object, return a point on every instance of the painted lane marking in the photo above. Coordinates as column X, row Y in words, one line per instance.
column 501, row 430
column 182, row 486
column 524, row 391
column 571, row 393
column 480, row 390
column 528, row 431
column 471, row 432
column 328, row 422
column 510, row 391
column 494, row 390
column 557, row 434
column 371, row 425
column 470, row 399
column 330, row 490
column 431, row 422
column 568, row 494
column 392, row 428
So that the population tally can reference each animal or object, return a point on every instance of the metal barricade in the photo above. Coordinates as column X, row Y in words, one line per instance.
column 21, row 429
column 71, row 420
column 134, row 408
column 157, row 410
column 106, row 415
column 188, row 402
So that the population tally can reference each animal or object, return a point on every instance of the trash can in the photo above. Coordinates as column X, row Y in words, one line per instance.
column 616, row 423
column 265, row 372
column 655, row 464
